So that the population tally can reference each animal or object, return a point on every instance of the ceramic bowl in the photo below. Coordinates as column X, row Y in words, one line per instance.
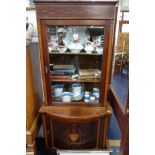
column 89, row 49
column 62, row 49
column 67, row 96
column 78, row 97
column 75, row 47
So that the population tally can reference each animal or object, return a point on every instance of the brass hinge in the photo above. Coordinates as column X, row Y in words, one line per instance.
column 46, row 69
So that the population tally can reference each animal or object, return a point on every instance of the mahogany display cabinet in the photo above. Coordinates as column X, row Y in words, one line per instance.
column 76, row 42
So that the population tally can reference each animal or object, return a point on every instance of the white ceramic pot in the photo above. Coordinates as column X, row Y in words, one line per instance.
column 76, row 89
column 92, row 99
column 57, row 89
column 89, row 48
column 96, row 92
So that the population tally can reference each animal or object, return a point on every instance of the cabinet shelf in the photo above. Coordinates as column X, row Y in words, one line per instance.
column 76, row 80
column 70, row 53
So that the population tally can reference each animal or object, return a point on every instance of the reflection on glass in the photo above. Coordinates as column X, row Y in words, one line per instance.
column 75, row 55
column 120, row 78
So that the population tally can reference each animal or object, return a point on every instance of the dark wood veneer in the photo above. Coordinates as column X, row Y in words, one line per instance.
column 77, row 11
column 73, row 121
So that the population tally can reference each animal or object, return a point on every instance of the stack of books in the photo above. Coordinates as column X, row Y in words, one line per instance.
column 62, row 71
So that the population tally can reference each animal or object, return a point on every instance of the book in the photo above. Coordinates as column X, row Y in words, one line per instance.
column 58, row 77
column 63, row 67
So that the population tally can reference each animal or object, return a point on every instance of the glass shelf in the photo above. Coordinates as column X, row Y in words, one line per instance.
column 70, row 53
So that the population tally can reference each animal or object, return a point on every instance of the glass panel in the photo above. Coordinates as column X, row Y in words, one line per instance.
column 75, row 56
column 120, row 76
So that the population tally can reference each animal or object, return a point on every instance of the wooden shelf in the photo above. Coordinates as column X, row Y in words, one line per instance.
column 70, row 53
column 76, row 80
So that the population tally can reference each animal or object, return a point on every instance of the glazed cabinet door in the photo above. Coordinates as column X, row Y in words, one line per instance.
column 76, row 58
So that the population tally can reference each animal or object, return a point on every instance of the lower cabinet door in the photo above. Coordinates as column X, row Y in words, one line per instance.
column 75, row 135
column 75, row 128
